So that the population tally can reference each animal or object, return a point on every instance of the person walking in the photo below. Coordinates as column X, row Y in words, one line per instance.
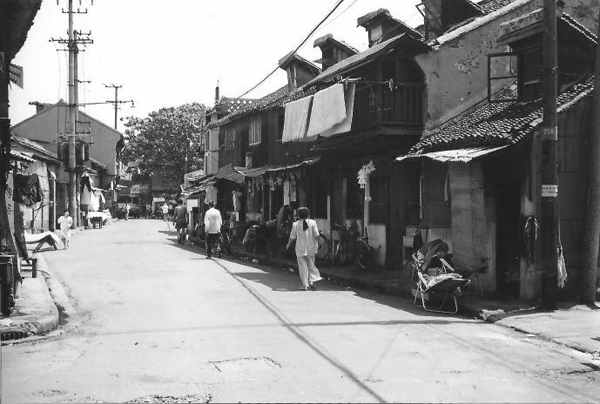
column 180, row 221
column 127, row 209
column 65, row 222
column 305, row 233
column 212, row 226
column 165, row 212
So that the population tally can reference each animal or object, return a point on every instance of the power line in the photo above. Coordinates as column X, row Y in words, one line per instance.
column 339, row 3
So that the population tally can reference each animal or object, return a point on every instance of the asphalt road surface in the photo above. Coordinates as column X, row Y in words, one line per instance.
column 152, row 321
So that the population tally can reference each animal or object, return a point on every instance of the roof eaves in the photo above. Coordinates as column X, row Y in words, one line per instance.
column 476, row 23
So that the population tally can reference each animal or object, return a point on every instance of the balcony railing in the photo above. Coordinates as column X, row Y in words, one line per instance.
column 399, row 107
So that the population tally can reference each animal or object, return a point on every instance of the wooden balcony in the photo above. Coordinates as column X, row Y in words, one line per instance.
column 378, row 105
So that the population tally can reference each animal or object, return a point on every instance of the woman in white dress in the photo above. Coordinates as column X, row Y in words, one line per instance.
column 65, row 223
column 305, row 232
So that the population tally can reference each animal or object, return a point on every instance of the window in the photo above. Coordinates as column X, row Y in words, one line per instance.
column 255, row 134
column 378, row 205
column 502, row 74
column 515, row 76
column 531, row 62
column 230, row 138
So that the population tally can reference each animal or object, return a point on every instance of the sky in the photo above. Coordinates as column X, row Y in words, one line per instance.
column 166, row 54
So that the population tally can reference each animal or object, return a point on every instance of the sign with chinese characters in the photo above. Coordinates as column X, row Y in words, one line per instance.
column 549, row 191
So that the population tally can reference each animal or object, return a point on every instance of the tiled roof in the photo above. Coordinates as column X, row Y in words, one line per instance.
column 496, row 123
column 488, row 6
column 258, row 105
column 38, row 148
column 577, row 26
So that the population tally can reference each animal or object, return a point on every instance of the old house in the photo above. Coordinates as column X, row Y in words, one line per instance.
column 480, row 162
column 98, row 154
column 40, row 216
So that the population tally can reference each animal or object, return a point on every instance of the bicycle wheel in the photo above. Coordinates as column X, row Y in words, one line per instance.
column 323, row 251
column 363, row 254
column 341, row 254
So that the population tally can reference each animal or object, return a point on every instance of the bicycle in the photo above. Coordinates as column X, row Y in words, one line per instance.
column 344, row 251
column 365, row 253
column 324, row 250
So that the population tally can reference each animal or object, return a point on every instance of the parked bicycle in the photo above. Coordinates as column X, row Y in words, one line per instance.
column 365, row 254
column 343, row 253
column 324, row 251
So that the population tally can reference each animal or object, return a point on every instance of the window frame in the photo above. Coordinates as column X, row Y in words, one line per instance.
column 255, row 131
column 516, row 76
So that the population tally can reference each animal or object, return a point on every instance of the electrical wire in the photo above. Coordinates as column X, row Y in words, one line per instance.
column 339, row 3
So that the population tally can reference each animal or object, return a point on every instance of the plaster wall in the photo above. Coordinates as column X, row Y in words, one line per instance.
column 45, row 127
column 456, row 72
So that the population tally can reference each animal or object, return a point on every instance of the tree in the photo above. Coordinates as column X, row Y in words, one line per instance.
column 169, row 138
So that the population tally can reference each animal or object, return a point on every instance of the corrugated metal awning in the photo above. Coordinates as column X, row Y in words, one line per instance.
column 306, row 162
column 460, row 155
column 20, row 156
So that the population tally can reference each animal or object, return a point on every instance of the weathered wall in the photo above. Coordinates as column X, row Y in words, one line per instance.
column 45, row 127
column 473, row 236
column 456, row 71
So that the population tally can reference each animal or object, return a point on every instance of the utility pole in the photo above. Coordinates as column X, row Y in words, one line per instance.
column 116, row 102
column 549, row 225
column 591, row 237
column 72, row 135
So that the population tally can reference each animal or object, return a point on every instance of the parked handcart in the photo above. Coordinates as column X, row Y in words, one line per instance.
column 435, row 281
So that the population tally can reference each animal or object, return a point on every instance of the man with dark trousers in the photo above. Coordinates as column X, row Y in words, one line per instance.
column 212, row 226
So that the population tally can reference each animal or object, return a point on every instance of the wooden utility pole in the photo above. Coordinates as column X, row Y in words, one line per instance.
column 116, row 102
column 549, row 192
column 591, row 237
column 71, row 131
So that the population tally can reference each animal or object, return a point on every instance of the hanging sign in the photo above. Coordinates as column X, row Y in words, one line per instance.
column 549, row 191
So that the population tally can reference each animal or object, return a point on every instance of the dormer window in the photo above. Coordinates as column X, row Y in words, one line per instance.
column 515, row 76
column 375, row 34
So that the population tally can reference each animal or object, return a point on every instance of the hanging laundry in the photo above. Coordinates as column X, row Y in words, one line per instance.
column 296, row 119
column 346, row 124
column 86, row 183
column 562, row 268
column 329, row 109
column 27, row 189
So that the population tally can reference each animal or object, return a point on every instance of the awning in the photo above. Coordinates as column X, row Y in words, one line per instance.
column 306, row 162
column 200, row 186
column 230, row 173
column 461, row 155
column 20, row 156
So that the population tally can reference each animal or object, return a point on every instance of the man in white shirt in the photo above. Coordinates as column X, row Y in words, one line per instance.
column 212, row 226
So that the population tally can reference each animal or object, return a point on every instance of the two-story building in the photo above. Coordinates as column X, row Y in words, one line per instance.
column 480, row 158
column 98, row 154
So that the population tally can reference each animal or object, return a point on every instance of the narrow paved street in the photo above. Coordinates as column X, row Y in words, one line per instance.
column 157, row 321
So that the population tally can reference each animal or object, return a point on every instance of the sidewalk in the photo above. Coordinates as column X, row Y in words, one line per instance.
column 575, row 326
column 35, row 311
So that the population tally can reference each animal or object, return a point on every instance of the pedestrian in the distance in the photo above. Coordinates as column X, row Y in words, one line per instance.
column 212, row 226
column 305, row 232
column 65, row 222
column 180, row 221
column 127, row 209
column 165, row 212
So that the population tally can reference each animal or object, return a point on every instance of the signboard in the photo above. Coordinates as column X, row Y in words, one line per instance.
column 549, row 191
column 524, row 21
